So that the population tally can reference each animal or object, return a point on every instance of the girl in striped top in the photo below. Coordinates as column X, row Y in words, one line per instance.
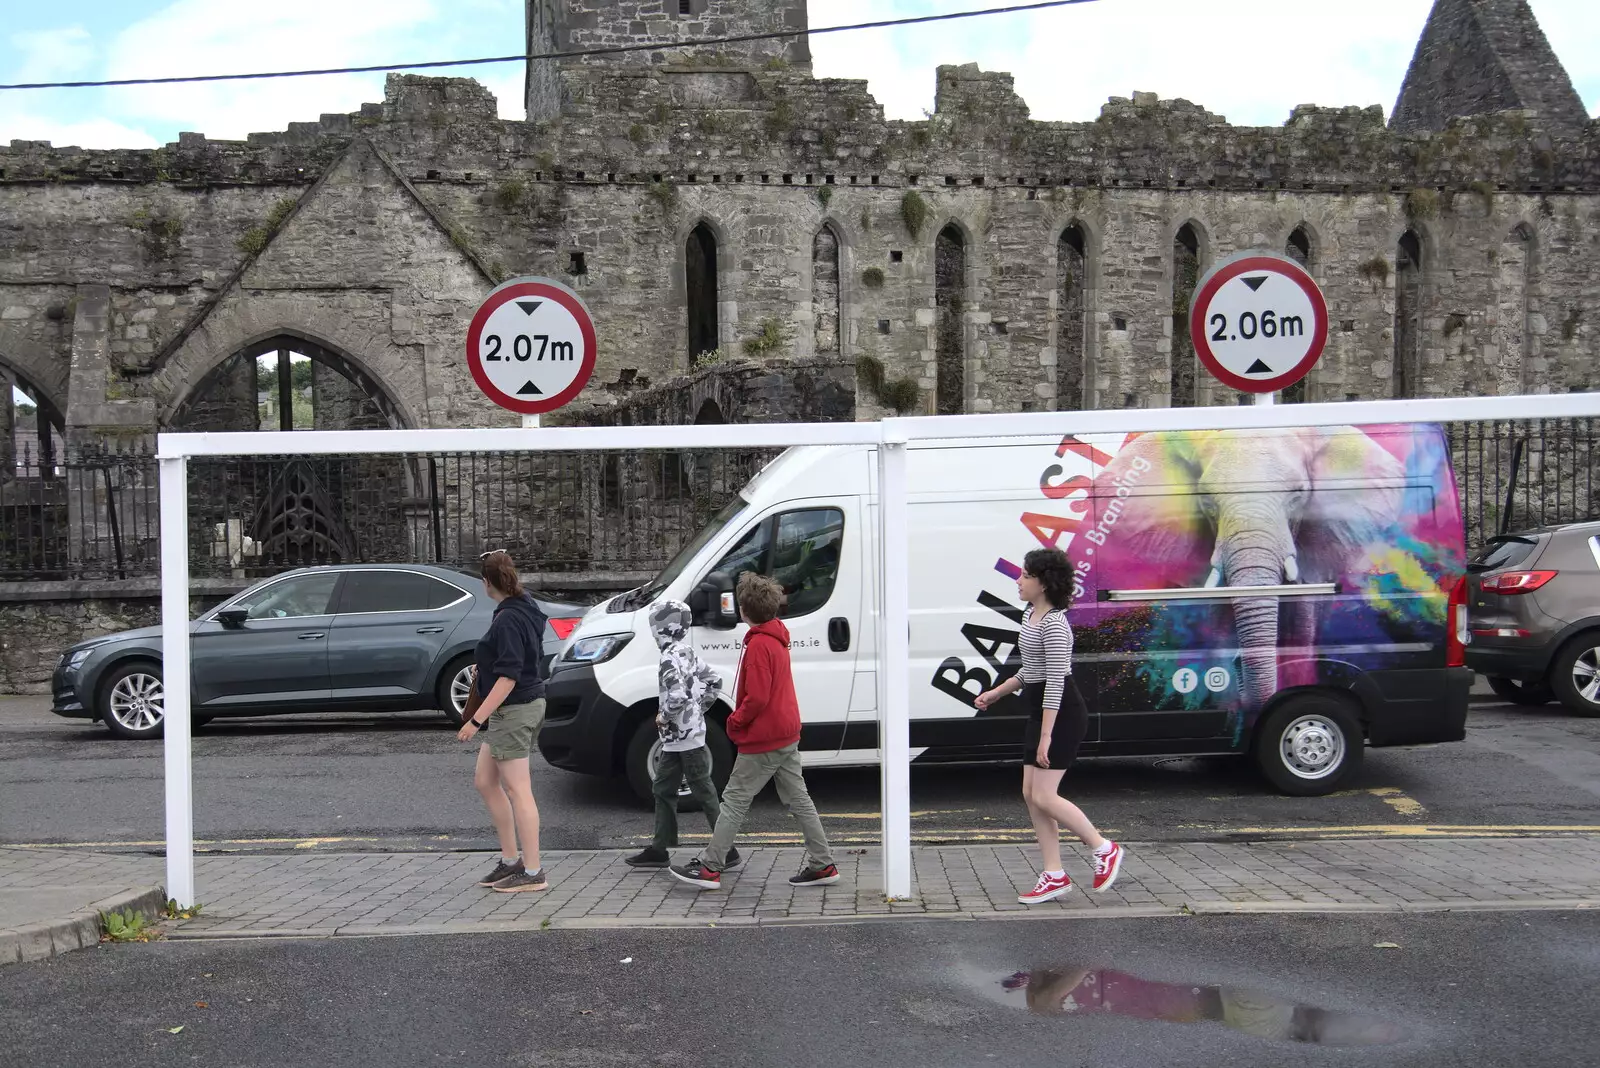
column 1057, row 722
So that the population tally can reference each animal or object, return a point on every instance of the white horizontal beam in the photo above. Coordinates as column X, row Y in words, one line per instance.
column 517, row 439
column 1241, row 417
column 911, row 429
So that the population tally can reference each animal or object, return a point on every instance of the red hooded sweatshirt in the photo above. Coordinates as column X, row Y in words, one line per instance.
column 766, row 714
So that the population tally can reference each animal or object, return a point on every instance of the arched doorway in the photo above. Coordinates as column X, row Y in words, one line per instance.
column 950, row 288
column 260, row 515
column 1072, row 389
column 700, row 292
column 1408, row 268
column 32, row 431
column 1186, row 257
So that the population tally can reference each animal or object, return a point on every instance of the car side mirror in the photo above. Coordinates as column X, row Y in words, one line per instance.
column 233, row 618
column 712, row 603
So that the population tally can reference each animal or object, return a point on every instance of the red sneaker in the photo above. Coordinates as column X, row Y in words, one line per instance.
column 1047, row 888
column 1106, row 867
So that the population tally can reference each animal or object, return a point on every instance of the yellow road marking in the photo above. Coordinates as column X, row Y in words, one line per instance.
column 1391, row 796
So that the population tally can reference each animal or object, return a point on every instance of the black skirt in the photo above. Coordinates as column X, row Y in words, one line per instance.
column 1072, row 723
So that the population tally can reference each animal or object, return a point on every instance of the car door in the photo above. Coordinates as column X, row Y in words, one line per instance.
column 278, row 656
column 389, row 629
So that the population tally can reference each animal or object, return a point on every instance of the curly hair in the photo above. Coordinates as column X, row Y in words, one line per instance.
column 1054, row 573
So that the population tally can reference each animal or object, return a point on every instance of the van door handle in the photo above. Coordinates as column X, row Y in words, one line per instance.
column 838, row 634
column 312, row 636
column 430, row 630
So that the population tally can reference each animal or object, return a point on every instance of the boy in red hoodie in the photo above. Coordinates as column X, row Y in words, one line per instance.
column 765, row 725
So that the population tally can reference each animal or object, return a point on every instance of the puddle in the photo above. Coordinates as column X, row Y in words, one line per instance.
column 1080, row 991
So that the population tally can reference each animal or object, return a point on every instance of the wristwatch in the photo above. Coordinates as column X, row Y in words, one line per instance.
column 476, row 724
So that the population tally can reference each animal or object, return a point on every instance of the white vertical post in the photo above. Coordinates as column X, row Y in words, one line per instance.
column 175, row 677
column 894, row 666
column 530, row 422
column 1265, row 400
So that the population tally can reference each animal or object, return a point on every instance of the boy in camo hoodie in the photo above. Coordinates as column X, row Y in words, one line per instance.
column 689, row 686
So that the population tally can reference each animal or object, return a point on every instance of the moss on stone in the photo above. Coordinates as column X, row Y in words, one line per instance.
column 914, row 212
column 872, row 277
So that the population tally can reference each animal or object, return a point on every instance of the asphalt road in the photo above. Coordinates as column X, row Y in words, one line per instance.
column 1442, row 990
column 405, row 783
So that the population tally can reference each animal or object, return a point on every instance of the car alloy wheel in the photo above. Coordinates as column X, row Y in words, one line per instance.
column 461, row 689
column 138, row 701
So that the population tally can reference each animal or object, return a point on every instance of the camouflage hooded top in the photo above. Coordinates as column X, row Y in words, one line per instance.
column 688, row 684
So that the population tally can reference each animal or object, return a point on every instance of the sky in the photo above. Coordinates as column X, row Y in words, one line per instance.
column 1250, row 60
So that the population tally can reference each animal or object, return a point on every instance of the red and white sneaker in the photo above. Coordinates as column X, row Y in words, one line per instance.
column 1106, row 867
column 1047, row 888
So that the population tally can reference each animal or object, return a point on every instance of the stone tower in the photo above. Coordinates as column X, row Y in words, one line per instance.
column 572, row 25
column 1482, row 56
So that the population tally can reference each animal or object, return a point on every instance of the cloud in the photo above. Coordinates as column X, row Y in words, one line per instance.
column 52, row 55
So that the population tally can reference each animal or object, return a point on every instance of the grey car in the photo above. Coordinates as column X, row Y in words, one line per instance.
column 1534, row 612
column 360, row 638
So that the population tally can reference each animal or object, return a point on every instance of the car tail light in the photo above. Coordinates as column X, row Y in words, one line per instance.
column 564, row 627
column 1456, row 636
column 1516, row 581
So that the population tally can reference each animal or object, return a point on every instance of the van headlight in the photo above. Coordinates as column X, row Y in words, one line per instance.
column 596, row 650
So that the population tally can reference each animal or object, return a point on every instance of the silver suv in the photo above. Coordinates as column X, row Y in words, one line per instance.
column 1534, row 611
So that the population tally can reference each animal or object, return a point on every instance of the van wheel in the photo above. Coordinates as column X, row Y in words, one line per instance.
column 1575, row 674
column 1308, row 745
column 645, row 747
column 455, row 684
column 1526, row 694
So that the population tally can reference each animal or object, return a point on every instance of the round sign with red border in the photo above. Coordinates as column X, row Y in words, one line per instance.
column 1258, row 322
column 531, row 345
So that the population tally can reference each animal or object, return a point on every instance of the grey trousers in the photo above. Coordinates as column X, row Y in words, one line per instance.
column 751, row 772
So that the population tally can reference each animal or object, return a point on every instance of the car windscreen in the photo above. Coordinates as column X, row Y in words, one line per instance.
column 1508, row 550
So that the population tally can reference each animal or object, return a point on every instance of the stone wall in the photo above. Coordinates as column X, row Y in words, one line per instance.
column 41, row 620
column 375, row 235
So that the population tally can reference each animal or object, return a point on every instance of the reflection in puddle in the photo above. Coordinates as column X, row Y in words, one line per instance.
column 1070, row 991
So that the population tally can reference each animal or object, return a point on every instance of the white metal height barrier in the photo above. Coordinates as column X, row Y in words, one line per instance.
column 891, row 437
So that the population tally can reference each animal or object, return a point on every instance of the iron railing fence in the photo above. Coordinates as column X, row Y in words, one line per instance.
column 1518, row 474
column 94, row 513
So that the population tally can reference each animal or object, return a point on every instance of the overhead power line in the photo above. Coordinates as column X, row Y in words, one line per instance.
column 648, row 46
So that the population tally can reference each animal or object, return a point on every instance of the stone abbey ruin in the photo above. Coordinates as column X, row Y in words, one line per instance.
column 755, row 243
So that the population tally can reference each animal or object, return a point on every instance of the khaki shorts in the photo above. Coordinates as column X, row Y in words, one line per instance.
column 512, row 730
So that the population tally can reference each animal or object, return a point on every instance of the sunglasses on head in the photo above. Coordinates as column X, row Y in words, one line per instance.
column 491, row 552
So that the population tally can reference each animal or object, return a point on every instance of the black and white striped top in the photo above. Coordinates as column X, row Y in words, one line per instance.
column 1047, row 653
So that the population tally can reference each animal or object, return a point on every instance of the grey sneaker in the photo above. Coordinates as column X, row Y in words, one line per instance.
column 521, row 880
column 501, row 870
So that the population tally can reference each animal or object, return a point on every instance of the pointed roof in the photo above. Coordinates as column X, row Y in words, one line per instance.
column 1481, row 56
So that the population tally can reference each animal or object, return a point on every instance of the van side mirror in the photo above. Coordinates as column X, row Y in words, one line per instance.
column 233, row 618
column 712, row 603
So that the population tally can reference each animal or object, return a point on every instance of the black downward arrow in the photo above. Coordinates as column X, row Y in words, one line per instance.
column 529, row 306
column 1255, row 282
column 530, row 390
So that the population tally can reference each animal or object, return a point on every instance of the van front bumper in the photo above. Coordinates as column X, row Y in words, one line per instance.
column 580, row 724
column 1415, row 707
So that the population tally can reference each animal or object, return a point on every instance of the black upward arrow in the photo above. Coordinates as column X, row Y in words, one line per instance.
column 1258, row 368
column 1255, row 282
column 529, row 306
column 530, row 390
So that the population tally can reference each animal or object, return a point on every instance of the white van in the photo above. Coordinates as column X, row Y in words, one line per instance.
column 1291, row 594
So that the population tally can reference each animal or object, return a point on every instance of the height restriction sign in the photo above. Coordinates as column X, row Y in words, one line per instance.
column 1258, row 322
column 531, row 345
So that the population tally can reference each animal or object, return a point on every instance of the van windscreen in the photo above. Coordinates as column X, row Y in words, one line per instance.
column 1504, row 551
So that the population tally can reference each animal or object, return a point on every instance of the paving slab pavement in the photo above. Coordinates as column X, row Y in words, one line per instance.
column 368, row 894
column 50, row 902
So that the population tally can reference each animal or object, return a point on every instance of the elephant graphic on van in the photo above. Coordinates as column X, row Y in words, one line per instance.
column 1269, row 508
